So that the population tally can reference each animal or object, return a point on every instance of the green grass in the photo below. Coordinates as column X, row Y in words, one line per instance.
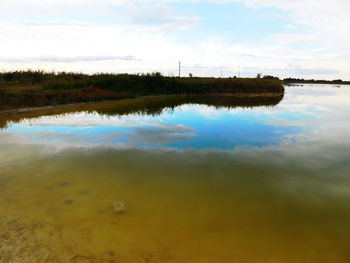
column 37, row 88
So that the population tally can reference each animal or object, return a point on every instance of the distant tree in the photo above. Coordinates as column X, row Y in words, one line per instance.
column 258, row 76
column 190, row 75
column 270, row 77
column 156, row 74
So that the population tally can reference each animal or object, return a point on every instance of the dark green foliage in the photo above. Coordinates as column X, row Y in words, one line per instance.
column 270, row 77
column 37, row 88
column 66, row 84
column 2, row 93
column 315, row 81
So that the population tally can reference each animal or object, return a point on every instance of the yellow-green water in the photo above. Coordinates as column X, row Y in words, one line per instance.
column 275, row 201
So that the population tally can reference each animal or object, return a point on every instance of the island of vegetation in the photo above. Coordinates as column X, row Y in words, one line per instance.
column 23, row 89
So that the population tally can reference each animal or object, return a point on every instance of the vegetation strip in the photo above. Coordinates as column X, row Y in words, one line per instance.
column 36, row 88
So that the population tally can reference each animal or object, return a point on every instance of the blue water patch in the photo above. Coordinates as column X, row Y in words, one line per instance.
column 192, row 126
column 228, row 131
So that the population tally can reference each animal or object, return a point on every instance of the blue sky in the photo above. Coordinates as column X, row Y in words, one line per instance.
column 235, row 22
column 306, row 38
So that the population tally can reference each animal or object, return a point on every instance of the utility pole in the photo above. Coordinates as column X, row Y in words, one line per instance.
column 179, row 69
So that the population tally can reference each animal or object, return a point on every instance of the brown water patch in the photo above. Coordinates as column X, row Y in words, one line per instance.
column 181, row 207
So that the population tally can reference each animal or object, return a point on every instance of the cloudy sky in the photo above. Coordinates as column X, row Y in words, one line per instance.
column 299, row 38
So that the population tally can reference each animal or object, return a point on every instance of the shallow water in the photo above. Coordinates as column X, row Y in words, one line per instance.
column 231, row 182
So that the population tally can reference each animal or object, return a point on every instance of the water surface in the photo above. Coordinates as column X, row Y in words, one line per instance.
column 203, row 180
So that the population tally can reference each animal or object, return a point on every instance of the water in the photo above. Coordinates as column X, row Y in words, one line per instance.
column 203, row 179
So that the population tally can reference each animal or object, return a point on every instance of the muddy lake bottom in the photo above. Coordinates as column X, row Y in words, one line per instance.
column 199, row 183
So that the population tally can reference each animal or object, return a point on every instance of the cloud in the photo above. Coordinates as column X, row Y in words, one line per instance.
column 329, row 19
column 146, row 14
column 67, row 59
column 90, row 36
column 160, row 15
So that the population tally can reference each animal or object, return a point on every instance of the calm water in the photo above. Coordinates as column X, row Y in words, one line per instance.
column 203, row 180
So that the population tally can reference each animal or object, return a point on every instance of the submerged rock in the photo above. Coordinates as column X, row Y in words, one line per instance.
column 119, row 207
column 68, row 202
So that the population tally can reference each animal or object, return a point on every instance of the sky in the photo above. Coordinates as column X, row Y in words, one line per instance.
column 299, row 38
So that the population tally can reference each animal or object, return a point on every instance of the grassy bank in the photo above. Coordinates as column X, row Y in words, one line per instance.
column 35, row 88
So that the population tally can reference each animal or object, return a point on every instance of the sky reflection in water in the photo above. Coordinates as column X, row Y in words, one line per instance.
column 306, row 113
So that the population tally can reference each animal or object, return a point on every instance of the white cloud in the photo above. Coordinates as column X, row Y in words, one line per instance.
column 67, row 59
column 144, row 29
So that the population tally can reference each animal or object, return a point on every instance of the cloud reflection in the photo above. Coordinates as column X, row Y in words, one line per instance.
column 309, row 118
column 162, row 133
